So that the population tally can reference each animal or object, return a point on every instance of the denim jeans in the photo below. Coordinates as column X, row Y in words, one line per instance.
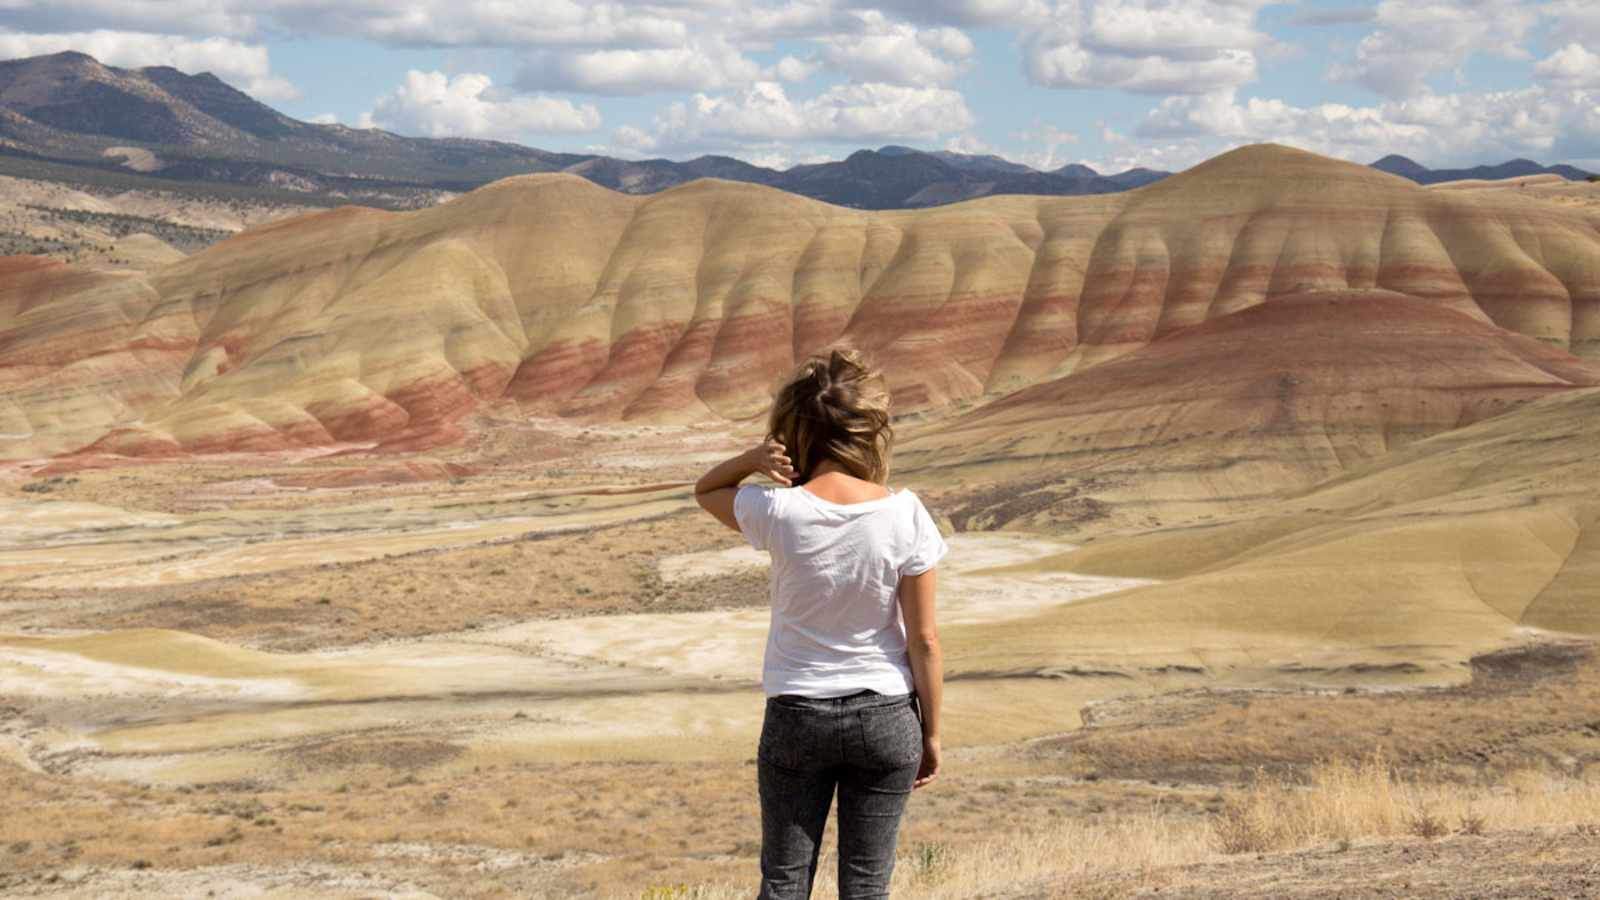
column 868, row 746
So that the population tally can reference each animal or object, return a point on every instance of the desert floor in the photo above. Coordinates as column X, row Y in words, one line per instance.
column 531, row 668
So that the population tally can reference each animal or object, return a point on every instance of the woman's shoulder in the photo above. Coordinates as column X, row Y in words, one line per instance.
column 908, row 498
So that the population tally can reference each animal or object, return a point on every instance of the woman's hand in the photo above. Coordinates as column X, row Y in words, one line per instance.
column 929, row 770
column 768, row 458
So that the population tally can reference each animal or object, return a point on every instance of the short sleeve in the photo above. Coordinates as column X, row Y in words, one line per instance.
column 927, row 545
column 753, row 509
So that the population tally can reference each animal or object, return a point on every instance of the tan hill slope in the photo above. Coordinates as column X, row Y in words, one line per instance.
column 1472, row 539
column 1277, row 397
column 386, row 328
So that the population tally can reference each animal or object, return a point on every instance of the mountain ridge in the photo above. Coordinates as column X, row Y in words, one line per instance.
column 68, row 109
column 1395, row 164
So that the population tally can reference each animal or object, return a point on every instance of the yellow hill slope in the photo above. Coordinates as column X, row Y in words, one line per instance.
column 1215, row 417
column 1461, row 542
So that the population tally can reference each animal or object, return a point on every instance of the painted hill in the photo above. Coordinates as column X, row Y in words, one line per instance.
column 1483, row 536
column 1202, row 421
column 362, row 327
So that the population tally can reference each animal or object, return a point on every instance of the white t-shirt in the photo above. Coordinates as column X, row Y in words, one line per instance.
column 835, row 584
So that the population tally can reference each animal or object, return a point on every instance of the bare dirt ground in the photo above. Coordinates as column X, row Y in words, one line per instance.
column 1541, row 864
column 530, row 668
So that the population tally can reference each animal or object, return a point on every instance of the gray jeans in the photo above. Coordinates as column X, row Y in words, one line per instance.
column 868, row 745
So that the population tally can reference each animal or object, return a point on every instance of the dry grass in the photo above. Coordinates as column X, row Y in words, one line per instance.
column 609, row 569
column 1523, row 709
column 1136, row 847
column 1346, row 801
column 1349, row 800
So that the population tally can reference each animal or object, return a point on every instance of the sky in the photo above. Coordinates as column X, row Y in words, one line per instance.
column 1113, row 84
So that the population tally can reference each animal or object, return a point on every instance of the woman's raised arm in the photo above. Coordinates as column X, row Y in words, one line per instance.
column 715, row 489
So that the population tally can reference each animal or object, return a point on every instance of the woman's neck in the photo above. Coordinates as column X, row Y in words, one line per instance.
column 846, row 489
column 829, row 467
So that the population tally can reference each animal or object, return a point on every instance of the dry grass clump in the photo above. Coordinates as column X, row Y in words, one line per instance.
column 1346, row 800
column 1135, row 847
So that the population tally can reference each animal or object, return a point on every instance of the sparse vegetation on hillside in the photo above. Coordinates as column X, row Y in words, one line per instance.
column 184, row 237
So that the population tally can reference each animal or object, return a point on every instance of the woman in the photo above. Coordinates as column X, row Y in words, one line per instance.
column 853, row 672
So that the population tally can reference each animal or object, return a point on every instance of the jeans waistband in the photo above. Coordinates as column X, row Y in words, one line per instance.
column 859, row 700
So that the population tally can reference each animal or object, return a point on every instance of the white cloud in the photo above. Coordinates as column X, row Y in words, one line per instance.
column 633, row 139
column 432, row 23
column 697, row 66
column 433, row 104
column 245, row 66
column 1416, row 40
column 897, row 53
column 228, row 18
column 981, row 13
column 1073, row 66
column 490, row 23
column 1573, row 20
column 1180, row 31
column 1545, row 123
column 791, row 69
column 1147, row 46
column 324, row 119
column 776, row 159
column 1170, row 157
column 1349, row 15
column 1051, row 138
column 971, row 145
column 1573, row 65
column 846, row 113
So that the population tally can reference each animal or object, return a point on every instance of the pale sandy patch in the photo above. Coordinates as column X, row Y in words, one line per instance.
column 43, row 673
column 218, row 547
column 39, row 520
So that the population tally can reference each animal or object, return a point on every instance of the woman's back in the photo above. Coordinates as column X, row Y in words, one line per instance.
column 853, row 671
column 836, row 570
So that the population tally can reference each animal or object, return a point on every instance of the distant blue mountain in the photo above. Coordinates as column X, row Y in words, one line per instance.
column 60, row 113
column 1395, row 164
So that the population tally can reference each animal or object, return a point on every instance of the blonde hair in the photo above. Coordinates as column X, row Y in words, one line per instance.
column 834, row 407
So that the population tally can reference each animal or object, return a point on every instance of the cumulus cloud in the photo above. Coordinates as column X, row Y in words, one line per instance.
column 488, row 23
column 228, row 18
column 1147, row 46
column 415, row 23
column 1573, row 21
column 763, row 113
column 1315, row 18
column 245, row 66
column 1440, row 129
column 983, row 13
column 792, row 69
column 433, row 104
column 1573, row 65
column 882, row 50
column 634, row 139
column 1042, row 145
column 698, row 66
column 1416, row 40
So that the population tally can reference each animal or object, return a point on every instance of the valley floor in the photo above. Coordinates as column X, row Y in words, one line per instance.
column 456, row 678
